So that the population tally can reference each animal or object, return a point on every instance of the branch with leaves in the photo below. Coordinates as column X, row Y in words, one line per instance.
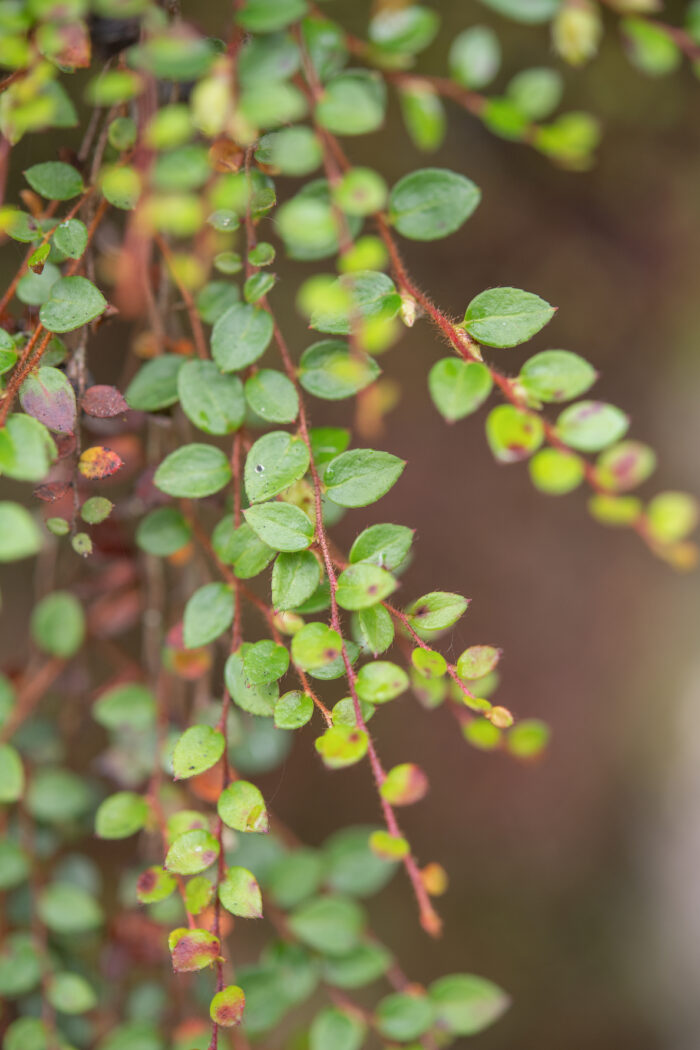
column 191, row 507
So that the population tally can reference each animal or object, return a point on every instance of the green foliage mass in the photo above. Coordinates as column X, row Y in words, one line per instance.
column 195, row 502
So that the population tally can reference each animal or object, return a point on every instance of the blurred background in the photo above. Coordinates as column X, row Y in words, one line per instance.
column 574, row 882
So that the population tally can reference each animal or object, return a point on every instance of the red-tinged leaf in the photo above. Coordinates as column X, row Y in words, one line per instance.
column 51, row 491
column 103, row 402
column 65, row 445
column 227, row 1006
column 189, row 664
column 48, row 396
column 71, row 45
column 193, row 950
column 99, row 462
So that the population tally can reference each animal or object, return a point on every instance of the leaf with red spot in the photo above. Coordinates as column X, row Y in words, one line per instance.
column 226, row 1008
column 99, row 462
column 103, row 402
column 48, row 396
column 193, row 949
column 51, row 491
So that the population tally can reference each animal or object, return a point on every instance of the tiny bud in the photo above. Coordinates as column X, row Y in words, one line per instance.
column 434, row 878
column 409, row 310
column 288, row 622
column 500, row 717
column 576, row 31
column 472, row 348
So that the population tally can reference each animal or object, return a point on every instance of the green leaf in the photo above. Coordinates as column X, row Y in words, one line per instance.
column 458, row 388
column 374, row 629
column 199, row 748
column 242, row 807
column 57, row 796
column 423, row 114
column 11, row 774
column 387, row 546
column 315, row 646
column 256, row 699
column 96, row 509
column 406, row 29
column 536, row 92
column 330, row 924
column 367, row 295
column 275, row 462
column 466, row 1004
column 192, row 853
column 650, row 48
column 241, row 548
column 199, row 894
column 436, row 611
column 363, row 585
column 293, row 710
column 528, row 738
column 363, row 965
column 268, row 16
column 54, row 180
column 505, row 317
column 68, row 909
column 512, row 433
column 71, row 237
column 121, row 815
column 556, row 473
column 557, row 375
column 295, row 577
column 20, row 966
column 240, row 336
column 14, row 864
column 295, row 877
column 381, row 681
column 227, row 1006
column 589, row 426
column 671, row 516
column 19, row 536
column 58, row 624
column 329, row 370
column 240, row 894
column 336, row 1028
column 404, row 1016
column 352, row 867
column 432, row 203
column 48, row 396
column 154, row 386
column 265, row 662
column 477, row 661
column 163, row 532
column 342, row 745
column 362, row 476
column 193, row 471
column 428, row 663
column 293, row 151
column 34, row 289
column 475, row 57
column 272, row 396
column 616, row 511
column 527, row 11
column 212, row 401
column 27, row 450
column 74, row 301
column 353, row 103
column 131, row 706
column 208, row 613
column 281, row 526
